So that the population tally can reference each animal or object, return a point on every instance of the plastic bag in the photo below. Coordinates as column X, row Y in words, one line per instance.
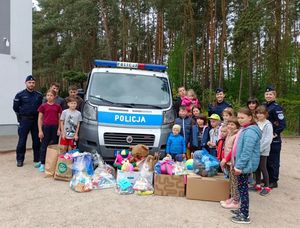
column 143, row 185
column 83, row 162
column 100, row 163
column 81, row 182
column 205, row 164
column 124, row 187
column 103, row 179
column 179, row 168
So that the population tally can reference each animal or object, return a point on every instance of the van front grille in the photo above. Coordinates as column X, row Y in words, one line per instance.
column 125, row 139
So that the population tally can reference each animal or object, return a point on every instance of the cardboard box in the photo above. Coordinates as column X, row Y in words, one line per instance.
column 166, row 185
column 207, row 188
column 132, row 176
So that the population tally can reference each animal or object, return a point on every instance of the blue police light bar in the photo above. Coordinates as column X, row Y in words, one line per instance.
column 140, row 66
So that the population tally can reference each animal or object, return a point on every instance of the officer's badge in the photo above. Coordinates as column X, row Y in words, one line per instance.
column 280, row 116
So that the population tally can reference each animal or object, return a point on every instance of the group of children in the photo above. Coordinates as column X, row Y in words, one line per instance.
column 56, row 124
column 240, row 142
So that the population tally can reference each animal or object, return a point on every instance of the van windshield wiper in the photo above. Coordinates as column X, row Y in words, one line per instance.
column 144, row 105
column 102, row 99
column 112, row 103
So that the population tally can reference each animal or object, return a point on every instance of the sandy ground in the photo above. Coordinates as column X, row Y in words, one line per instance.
column 27, row 199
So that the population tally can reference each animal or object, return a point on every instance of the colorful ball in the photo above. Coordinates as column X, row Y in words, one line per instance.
column 189, row 164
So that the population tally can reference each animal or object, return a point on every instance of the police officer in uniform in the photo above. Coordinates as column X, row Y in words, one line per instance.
column 276, row 117
column 219, row 105
column 25, row 106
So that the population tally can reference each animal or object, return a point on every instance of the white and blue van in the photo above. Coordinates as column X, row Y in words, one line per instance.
column 126, row 104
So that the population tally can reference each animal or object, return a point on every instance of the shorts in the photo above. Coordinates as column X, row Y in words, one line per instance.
column 68, row 142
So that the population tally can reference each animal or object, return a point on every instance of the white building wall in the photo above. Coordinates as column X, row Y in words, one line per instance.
column 15, row 66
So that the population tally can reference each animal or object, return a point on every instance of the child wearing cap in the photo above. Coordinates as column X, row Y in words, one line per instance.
column 176, row 143
column 214, row 120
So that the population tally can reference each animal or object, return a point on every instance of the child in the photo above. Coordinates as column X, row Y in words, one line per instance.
column 195, row 114
column 175, row 143
column 252, row 104
column 221, row 142
column 246, row 161
column 265, row 146
column 213, row 133
column 227, row 163
column 69, row 124
column 185, row 123
column 48, row 123
column 227, row 113
column 200, row 133
column 73, row 93
column 190, row 100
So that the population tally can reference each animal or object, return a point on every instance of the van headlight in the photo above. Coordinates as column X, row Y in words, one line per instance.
column 169, row 116
column 89, row 111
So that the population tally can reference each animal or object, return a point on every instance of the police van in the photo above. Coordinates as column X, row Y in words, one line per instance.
column 126, row 104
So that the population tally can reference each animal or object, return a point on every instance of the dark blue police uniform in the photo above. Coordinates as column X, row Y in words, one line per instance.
column 276, row 117
column 25, row 106
column 218, row 108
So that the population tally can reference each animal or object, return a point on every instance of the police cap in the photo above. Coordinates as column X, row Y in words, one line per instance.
column 29, row 78
column 219, row 90
column 270, row 88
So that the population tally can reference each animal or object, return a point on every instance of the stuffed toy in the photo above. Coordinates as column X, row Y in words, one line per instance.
column 121, row 156
column 127, row 166
column 139, row 153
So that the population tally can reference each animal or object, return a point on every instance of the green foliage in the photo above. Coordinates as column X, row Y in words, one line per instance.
column 292, row 114
column 175, row 66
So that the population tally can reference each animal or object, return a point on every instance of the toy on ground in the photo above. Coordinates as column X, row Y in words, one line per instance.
column 120, row 157
column 127, row 166
column 139, row 154
column 124, row 187
column 189, row 164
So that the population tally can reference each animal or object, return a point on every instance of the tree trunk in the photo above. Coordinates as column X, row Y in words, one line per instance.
column 222, row 42
column 212, row 43
column 159, row 37
column 241, row 86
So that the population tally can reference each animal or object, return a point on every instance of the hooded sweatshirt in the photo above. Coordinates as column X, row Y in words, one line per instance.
column 267, row 137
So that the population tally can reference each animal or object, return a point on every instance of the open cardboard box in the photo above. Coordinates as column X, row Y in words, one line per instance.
column 215, row 188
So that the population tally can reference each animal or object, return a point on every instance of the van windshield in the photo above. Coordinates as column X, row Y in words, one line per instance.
column 140, row 91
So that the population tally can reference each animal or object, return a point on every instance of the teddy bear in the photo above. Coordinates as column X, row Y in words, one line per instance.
column 139, row 154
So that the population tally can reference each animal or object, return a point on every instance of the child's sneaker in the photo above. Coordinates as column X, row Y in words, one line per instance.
column 265, row 191
column 255, row 188
column 231, row 205
column 241, row 219
column 223, row 202
column 37, row 164
column 42, row 168
column 235, row 212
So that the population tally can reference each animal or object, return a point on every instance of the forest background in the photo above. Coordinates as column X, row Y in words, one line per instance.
column 240, row 45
